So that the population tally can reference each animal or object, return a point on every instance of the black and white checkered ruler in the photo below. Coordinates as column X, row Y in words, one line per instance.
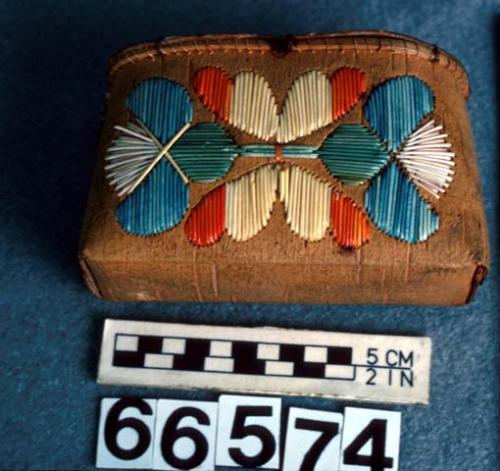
column 285, row 361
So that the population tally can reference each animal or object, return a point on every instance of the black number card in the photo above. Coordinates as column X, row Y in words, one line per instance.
column 244, row 432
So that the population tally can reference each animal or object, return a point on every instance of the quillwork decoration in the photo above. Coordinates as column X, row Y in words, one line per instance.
column 402, row 154
column 247, row 101
column 242, row 207
column 158, row 153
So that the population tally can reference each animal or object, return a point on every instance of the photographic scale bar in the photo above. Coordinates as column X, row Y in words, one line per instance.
column 378, row 368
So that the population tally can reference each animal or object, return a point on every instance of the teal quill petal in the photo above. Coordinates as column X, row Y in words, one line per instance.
column 353, row 154
column 205, row 152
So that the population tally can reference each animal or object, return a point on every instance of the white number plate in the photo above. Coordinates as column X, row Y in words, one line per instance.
column 244, row 432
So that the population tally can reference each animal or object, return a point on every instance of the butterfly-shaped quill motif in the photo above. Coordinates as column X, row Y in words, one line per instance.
column 312, row 206
column 159, row 153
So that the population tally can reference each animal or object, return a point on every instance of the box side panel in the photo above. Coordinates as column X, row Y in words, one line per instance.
column 282, row 283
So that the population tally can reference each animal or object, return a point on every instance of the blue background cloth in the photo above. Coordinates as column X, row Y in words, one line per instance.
column 53, row 57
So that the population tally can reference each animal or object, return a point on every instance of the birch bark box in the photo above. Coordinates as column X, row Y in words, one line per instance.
column 320, row 169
